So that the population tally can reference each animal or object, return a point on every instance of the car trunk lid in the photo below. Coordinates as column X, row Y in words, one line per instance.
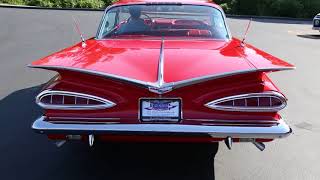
column 183, row 61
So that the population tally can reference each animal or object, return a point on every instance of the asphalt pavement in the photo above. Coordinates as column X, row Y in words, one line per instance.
column 27, row 35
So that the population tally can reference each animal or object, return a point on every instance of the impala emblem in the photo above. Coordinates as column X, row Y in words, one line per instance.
column 160, row 90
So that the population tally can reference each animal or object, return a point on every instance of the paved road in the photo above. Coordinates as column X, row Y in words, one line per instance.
column 26, row 35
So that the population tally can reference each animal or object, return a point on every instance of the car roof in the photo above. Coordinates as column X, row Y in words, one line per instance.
column 196, row 2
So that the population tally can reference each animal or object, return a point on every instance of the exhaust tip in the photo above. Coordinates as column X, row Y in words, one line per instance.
column 259, row 145
column 91, row 140
column 60, row 143
column 228, row 141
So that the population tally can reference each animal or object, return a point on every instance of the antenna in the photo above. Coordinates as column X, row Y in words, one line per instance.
column 76, row 24
column 246, row 33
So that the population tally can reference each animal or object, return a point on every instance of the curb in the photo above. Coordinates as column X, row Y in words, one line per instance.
column 89, row 9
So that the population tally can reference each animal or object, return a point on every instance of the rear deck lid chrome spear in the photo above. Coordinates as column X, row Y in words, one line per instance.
column 159, row 86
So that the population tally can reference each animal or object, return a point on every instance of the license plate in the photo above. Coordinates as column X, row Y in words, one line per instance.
column 158, row 110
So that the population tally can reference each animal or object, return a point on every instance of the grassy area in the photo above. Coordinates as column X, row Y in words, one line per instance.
column 284, row 8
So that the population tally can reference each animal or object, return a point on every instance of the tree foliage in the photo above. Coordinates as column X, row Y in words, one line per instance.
column 285, row 8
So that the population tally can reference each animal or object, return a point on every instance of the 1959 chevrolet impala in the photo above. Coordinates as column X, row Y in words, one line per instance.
column 162, row 71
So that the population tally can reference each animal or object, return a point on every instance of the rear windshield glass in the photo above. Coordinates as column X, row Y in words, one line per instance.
column 185, row 21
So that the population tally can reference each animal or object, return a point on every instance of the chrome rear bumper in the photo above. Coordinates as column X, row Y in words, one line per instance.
column 279, row 130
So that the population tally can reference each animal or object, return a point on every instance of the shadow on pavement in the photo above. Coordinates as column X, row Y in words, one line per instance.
column 309, row 36
column 26, row 155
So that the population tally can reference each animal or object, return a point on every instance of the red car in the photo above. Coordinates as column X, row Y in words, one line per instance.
column 162, row 71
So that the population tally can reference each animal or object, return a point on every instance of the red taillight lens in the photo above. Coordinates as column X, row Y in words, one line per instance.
column 70, row 100
column 251, row 102
column 254, row 102
column 265, row 101
column 46, row 99
column 80, row 100
column 239, row 102
column 57, row 99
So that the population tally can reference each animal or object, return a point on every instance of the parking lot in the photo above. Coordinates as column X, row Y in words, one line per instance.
column 27, row 35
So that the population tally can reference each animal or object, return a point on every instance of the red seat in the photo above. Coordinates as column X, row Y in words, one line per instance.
column 197, row 32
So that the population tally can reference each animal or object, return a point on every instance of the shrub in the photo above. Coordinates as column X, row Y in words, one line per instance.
column 226, row 8
column 42, row 3
column 287, row 8
column 61, row 3
column 310, row 8
column 17, row 2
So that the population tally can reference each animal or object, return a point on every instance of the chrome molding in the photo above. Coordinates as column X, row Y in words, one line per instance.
column 96, row 73
column 179, row 84
column 236, row 120
column 279, row 96
column 159, row 87
column 81, row 122
column 105, row 103
column 91, row 120
column 216, row 122
column 82, row 118
column 160, row 81
column 154, row 86
column 280, row 130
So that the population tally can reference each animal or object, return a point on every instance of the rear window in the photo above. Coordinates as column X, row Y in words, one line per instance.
column 156, row 20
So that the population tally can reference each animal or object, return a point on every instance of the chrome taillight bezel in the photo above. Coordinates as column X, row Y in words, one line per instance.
column 104, row 102
column 268, row 94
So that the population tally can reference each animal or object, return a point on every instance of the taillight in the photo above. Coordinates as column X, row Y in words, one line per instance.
column 254, row 102
column 66, row 100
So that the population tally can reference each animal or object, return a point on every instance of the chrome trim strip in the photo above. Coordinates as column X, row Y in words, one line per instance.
column 197, row 80
column 232, row 121
column 106, row 103
column 240, row 125
column 277, row 131
column 213, row 104
column 160, row 81
column 82, row 118
column 166, row 87
column 96, row 73
column 81, row 122
column 160, row 88
column 96, row 120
